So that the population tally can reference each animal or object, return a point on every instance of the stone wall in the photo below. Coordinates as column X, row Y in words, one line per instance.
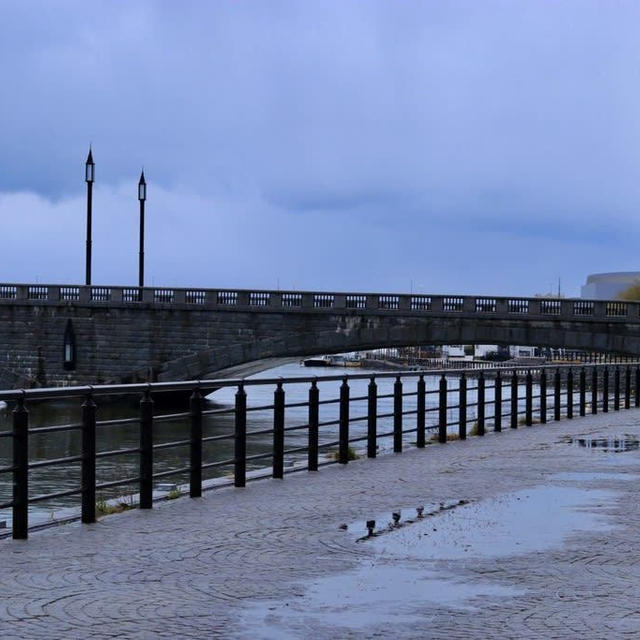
column 132, row 342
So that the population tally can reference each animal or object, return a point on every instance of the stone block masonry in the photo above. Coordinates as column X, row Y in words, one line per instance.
column 124, row 335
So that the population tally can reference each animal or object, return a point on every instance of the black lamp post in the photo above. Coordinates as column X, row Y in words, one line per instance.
column 89, row 172
column 142, row 196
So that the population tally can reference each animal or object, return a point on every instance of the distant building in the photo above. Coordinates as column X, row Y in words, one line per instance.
column 608, row 286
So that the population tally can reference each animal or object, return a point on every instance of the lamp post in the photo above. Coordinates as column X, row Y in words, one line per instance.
column 89, row 173
column 142, row 196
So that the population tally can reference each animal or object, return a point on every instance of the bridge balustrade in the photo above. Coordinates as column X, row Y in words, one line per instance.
column 583, row 308
column 368, row 414
column 35, row 292
column 291, row 299
column 518, row 305
column 323, row 300
column 454, row 304
column 611, row 310
column 259, row 299
column 616, row 309
column 486, row 305
column 388, row 302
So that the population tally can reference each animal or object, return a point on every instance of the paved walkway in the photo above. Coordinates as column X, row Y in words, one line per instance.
column 255, row 563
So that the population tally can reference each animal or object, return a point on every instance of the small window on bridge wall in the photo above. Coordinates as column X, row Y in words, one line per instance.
column 69, row 349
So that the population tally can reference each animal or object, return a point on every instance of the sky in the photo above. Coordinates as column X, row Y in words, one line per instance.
column 433, row 146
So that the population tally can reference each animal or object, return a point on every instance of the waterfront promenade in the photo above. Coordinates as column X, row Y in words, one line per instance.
column 272, row 560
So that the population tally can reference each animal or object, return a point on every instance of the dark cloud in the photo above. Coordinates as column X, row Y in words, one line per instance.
column 355, row 145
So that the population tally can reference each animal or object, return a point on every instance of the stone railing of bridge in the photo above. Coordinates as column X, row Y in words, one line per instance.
column 318, row 301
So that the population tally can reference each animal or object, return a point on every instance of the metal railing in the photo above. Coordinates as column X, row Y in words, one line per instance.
column 260, row 300
column 488, row 399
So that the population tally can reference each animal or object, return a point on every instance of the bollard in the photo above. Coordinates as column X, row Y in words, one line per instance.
column 397, row 415
column 146, row 450
column 481, row 407
column 637, row 389
column 462, row 407
column 529, row 399
column 594, row 390
column 570, row 394
column 605, row 390
column 240, row 438
column 583, row 392
column 278, row 431
column 627, row 387
column 314, row 398
column 88, row 460
column 514, row 399
column 543, row 396
column 442, row 411
column 421, row 413
column 343, row 438
column 372, row 418
column 195, row 475
column 616, row 389
column 497, row 395
column 20, row 510
column 557, row 398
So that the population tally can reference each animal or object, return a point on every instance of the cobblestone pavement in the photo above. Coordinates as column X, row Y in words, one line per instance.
column 243, row 562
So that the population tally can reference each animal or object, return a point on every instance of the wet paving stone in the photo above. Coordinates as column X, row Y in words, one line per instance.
column 270, row 560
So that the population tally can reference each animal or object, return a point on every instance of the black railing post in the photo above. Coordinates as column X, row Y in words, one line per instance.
column 240, row 438
column 529, row 399
column 343, row 437
column 616, row 389
column 278, row 431
column 372, row 418
column 88, row 460
column 421, row 412
column 627, row 387
column 605, row 390
column 543, row 396
column 397, row 415
column 314, row 398
column 557, row 397
column 594, row 389
column 442, row 411
column 462, row 406
column 497, row 401
column 146, row 450
column 481, row 406
column 637, row 389
column 583, row 392
column 20, row 515
column 514, row 399
column 570, row 393
column 195, row 414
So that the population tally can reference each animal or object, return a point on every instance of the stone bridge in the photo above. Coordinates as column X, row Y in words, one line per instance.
column 55, row 335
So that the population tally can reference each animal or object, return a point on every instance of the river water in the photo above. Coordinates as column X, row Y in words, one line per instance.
column 109, row 438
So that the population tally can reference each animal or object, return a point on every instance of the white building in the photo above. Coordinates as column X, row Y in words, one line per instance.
column 608, row 286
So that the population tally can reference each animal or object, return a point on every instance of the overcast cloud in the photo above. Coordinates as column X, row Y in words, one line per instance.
column 443, row 146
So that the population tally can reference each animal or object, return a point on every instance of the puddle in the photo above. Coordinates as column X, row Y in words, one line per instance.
column 378, row 596
column 611, row 444
column 592, row 476
column 394, row 588
column 391, row 521
column 526, row 521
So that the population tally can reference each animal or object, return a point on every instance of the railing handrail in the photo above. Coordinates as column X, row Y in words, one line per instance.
column 218, row 383
column 606, row 391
